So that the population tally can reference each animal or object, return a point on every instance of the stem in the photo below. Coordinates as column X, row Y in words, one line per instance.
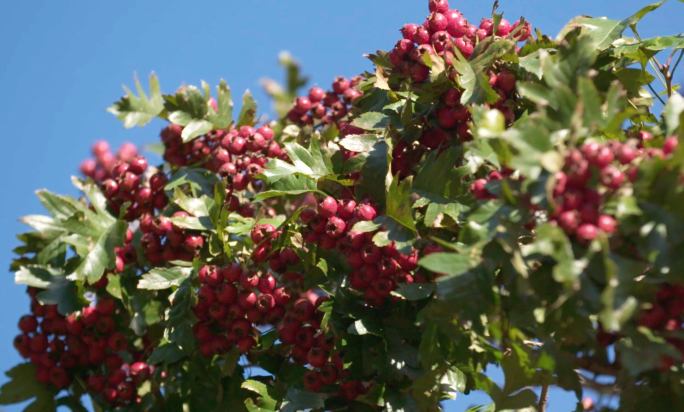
column 654, row 62
column 674, row 68
column 543, row 398
column 656, row 93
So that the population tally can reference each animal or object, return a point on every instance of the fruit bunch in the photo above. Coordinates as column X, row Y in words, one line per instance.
column 666, row 315
column 320, row 108
column 444, row 31
column 592, row 174
column 90, row 345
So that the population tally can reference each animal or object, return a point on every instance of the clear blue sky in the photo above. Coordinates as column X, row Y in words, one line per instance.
column 63, row 63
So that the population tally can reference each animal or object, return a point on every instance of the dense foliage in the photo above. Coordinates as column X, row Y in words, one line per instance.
column 486, row 195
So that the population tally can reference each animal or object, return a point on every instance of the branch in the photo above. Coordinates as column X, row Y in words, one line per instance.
column 543, row 398
column 602, row 388
column 597, row 368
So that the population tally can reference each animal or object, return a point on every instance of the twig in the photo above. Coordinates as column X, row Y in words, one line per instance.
column 602, row 388
column 543, row 398
column 652, row 60
column 597, row 368
column 656, row 93
column 678, row 60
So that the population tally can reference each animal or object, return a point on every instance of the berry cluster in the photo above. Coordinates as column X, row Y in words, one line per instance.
column 667, row 315
column 88, row 346
column 377, row 270
column 163, row 241
column 443, row 31
column 122, row 180
column 301, row 328
column 590, row 174
column 100, row 168
column 324, row 108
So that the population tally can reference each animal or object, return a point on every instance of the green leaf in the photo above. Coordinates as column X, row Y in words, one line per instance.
column 201, row 181
column 43, row 224
column 518, row 370
column 67, row 295
column 414, row 291
column 359, row 143
column 163, row 278
column 23, row 386
column 224, row 117
column 366, row 326
column 102, row 255
column 398, row 202
column 288, row 186
column 195, row 128
column 248, row 111
column 373, row 174
column 673, row 110
column 265, row 400
column 532, row 63
column 135, row 110
column 181, row 317
column 372, row 121
column 298, row 400
column 634, row 19
column 36, row 276
column 522, row 399
column 602, row 31
column 452, row 264
column 166, row 354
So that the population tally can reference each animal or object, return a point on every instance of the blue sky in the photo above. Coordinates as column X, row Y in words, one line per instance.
column 64, row 61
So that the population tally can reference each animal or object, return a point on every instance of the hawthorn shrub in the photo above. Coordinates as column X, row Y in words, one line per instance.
column 486, row 195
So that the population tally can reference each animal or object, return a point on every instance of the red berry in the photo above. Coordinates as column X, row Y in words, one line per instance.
column 247, row 299
column 505, row 81
column 327, row 207
column 312, row 381
column 587, row 232
column 458, row 26
column 607, row 224
column 317, row 357
column 245, row 344
column 438, row 22
column 226, row 293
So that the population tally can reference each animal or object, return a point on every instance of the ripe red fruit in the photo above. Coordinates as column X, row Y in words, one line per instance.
column 207, row 294
column 340, row 85
column 433, row 138
column 505, row 81
column 247, row 299
column 445, row 118
column 438, row 22
column 226, row 293
column 265, row 303
column 644, row 135
column 670, row 145
column 282, row 295
column 232, row 272
column 303, row 310
column 193, row 243
column 312, row 381
column 245, row 344
column 327, row 207
column 241, row 328
column 524, row 33
column 96, row 383
column 504, row 28
column 612, row 177
column 365, row 212
column 263, row 231
column 266, row 283
column 569, row 221
column 305, row 338
column 607, row 224
column 249, row 279
column 28, row 324
column 117, row 342
column 371, row 254
column 335, row 227
column 421, row 36
column 457, row 27
column 317, row 357
column 116, row 377
column 587, row 232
